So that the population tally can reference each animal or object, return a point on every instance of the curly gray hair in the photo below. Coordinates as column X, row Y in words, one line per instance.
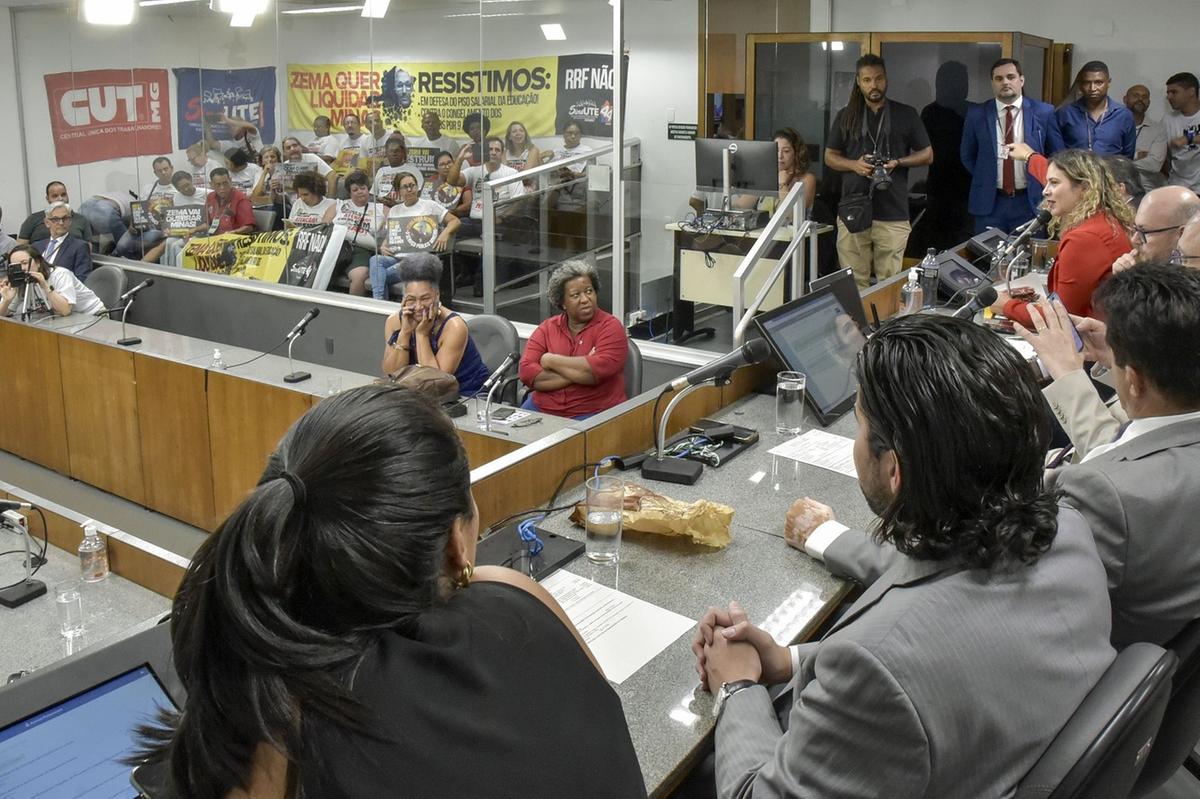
column 422, row 266
column 556, row 287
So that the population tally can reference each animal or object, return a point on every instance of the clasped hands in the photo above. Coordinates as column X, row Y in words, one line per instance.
column 727, row 646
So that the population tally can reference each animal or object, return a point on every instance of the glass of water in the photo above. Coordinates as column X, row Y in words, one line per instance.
column 789, row 402
column 605, row 499
column 69, row 602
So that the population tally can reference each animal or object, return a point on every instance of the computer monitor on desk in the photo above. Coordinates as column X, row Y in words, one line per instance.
column 753, row 166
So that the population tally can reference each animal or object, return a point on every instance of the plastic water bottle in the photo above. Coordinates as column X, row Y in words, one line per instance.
column 912, row 296
column 929, row 277
column 93, row 554
column 217, row 361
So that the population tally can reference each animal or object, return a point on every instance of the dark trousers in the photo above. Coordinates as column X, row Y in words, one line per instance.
column 1008, row 214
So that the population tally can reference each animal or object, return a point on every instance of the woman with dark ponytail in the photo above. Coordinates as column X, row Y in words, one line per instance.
column 335, row 638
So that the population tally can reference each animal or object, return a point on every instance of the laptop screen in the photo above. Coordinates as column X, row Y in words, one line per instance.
column 817, row 335
column 74, row 748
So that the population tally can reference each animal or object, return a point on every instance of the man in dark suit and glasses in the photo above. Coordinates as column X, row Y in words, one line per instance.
column 985, row 619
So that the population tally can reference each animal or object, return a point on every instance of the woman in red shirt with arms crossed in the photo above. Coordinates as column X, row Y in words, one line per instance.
column 575, row 361
column 1092, row 219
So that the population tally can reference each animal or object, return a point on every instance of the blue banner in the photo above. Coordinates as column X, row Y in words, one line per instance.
column 214, row 94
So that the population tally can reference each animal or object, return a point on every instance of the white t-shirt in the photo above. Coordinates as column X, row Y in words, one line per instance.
column 580, row 149
column 324, row 145
column 82, row 299
column 200, row 174
column 352, row 155
column 378, row 150
column 361, row 222
column 474, row 176
column 419, row 227
column 442, row 142
column 385, row 179
column 246, row 180
column 1185, row 161
column 198, row 197
column 309, row 215
column 155, row 190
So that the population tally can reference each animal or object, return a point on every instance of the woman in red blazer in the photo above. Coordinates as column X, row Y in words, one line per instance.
column 1091, row 218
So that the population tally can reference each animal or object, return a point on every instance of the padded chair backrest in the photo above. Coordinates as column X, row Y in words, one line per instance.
column 495, row 337
column 108, row 282
column 264, row 219
column 1103, row 747
column 1181, row 722
column 633, row 370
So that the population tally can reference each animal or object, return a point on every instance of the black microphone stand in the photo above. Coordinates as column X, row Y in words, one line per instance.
column 677, row 470
column 293, row 376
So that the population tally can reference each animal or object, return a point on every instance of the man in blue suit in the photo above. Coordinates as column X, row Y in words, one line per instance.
column 63, row 249
column 1003, row 194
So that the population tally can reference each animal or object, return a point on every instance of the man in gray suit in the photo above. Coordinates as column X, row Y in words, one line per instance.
column 1141, row 493
column 985, row 620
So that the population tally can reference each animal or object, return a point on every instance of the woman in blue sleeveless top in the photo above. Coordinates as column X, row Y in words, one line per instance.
column 423, row 332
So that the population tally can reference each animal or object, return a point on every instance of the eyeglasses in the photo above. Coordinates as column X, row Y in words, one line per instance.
column 59, row 219
column 1180, row 259
column 1141, row 234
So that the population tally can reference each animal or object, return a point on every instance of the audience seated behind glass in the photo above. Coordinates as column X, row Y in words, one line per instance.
column 420, row 221
column 242, row 173
column 263, row 193
column 574, row 362
column 324, row 144
column 424, row 331
column 384, row 189
column 294, row 154
column 34, row 229
column 455, row 199
column 362, row 219
column 311, row 206
column 335, row 637
column 51, row 288
column 519, row 150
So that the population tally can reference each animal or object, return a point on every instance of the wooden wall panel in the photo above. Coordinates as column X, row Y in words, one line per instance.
column 32, row 383
column 100, row 404
column 528, row 484
column 482, row 448
column 176, row 449
column 246, row 420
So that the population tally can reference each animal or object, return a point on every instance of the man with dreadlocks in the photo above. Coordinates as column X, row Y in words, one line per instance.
column 874, row 142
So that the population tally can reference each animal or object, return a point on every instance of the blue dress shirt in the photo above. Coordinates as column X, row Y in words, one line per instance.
column 1114, row 134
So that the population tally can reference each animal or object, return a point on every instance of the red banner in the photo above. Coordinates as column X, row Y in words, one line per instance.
column 109, row 113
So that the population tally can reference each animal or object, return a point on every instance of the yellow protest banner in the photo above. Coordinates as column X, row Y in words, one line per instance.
column 261, row 256
column 519, row 90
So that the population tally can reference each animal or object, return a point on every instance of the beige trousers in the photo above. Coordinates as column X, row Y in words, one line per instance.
column 881, row 246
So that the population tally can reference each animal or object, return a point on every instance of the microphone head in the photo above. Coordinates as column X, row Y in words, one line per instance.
column 986, row 296
column 1043, row 217
column 148, row 282
column 315, row 312
column 756, row 350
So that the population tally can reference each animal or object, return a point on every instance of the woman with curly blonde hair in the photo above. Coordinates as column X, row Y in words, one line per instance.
column 1092, row 219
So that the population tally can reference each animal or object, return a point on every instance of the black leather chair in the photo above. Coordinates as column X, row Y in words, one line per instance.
column 1180, row 728
column 633, row 370
column 1104, row 746
column 496, row 338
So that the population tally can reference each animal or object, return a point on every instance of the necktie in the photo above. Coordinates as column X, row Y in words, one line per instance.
column 1009, row 184
column 51, row 248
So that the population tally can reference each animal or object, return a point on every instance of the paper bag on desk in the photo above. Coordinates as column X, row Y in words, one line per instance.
column 704, row 522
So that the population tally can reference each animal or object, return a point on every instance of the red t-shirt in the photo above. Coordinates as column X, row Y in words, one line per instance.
column 232, row 215
column 1085, row 258
column 607, row 336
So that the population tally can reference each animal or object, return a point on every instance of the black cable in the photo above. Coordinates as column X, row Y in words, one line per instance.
column 546, row 510
column 260, row 355
column 41, row 557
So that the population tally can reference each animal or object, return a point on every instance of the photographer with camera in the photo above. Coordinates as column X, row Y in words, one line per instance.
column 874, row 141
column 29, row 278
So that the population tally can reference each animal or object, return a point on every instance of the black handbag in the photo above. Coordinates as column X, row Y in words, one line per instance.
column 856, row 213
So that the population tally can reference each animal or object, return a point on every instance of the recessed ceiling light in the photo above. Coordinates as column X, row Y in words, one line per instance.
column 108, row 12
column 554, row 32
column 375, row 9
column 149, row 3
column 323, row 10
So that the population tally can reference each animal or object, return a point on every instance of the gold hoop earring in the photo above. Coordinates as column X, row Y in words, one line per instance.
column 464, row 578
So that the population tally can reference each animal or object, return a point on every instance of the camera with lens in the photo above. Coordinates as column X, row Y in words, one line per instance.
column 16, row 275
column 879, row 177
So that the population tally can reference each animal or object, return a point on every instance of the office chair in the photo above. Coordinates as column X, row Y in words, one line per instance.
column 1181, row 722
column 1104, row 745
column 496, row 337
column 633, row 370
column 108, row 282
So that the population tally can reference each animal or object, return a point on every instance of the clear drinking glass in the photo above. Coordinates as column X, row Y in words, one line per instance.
column 480, row 403
column 69, row 601
column 605, row 498
column 333, row 385
column 789, row 402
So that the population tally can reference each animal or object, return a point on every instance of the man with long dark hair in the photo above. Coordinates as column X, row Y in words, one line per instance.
column 985, row 620
column 875, row 141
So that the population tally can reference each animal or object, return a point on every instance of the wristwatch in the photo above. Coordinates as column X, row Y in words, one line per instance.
column 728, row 689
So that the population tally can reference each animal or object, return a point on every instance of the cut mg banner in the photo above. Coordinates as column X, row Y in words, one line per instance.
column 108, row 113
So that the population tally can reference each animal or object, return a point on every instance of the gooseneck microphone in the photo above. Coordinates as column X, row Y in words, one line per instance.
column 1028, row 231
column 498, row 375
column 294, row 376
column 126, row 300
column 986, row 296
column 754, row 351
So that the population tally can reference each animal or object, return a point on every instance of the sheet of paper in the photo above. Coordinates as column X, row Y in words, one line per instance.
column 623, row 632
column 818, row 448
